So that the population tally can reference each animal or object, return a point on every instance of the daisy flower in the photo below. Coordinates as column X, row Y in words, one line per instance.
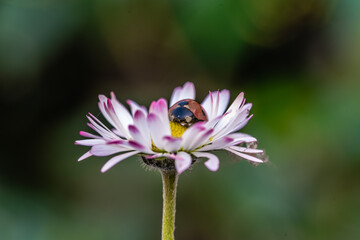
column 172, row 138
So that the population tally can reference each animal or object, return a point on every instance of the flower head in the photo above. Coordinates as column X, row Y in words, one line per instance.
column 175, row 138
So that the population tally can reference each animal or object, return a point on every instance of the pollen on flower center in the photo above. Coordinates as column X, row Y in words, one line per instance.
column 177, row 130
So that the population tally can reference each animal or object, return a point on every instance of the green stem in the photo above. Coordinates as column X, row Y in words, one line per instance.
column 169, row 179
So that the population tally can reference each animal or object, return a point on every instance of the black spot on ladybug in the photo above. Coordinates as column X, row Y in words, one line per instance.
column 183, row 103
column 187, row 112
column 182, row 115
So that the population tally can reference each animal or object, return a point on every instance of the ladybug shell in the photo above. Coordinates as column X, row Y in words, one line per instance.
column 187, row 112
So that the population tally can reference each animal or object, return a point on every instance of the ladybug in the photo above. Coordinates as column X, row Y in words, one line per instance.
column 187, row 112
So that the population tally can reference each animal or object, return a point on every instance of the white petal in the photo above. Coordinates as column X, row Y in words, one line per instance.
column 246, row 150
column 172, row 144
column 185, row 92
column 237, row 102
column 107, row 149
column 201, row 139
column 157, row 130
column 118, row 123
column 175, row 96
column 192, row 134
column 242, row 137
column 121, row 112
column 206, row 104
column 101, row 130
column 98, row 121
column 232, row 127
column 218, row 144
column 247, row 157
column 215, row 103
column 113, row 161
column 231, row 113
column 182, row 161
column 211, row 123
column 240, row 125
column 86, row 155
column 141, row 123
column 188, row 91
column 212, row 164
column 90, row 142
column 231, row 123
column 224, row 101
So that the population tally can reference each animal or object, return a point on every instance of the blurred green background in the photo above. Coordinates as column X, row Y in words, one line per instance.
column 297, row 61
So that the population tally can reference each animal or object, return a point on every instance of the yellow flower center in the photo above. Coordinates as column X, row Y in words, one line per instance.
column 177, row 130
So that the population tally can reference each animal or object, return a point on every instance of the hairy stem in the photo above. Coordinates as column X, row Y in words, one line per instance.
column 169, row 179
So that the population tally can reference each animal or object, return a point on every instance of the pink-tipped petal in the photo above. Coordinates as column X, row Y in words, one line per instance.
column 102, row 98
column 136, row 134
column 89, row 135
column 84, row 156
column 113, row 161
column 182, row 161
column 160, row 109
column 103, row 109
column 213, row 161
column 136, row 107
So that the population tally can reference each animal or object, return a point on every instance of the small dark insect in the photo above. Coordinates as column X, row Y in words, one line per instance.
column 187, row 112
